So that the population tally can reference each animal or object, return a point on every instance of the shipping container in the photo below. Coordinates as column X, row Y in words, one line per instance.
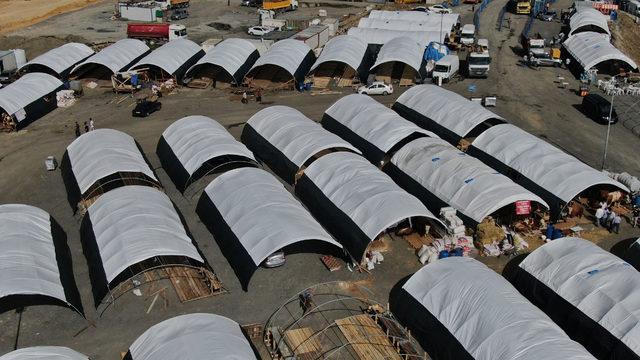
column 314, row 36
column 140, row 13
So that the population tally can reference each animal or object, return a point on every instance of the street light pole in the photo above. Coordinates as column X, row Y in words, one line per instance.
column 606, row 141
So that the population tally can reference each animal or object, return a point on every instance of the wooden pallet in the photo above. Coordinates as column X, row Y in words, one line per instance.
column 253, row 331
column 366, row 338
column 331, row 263
column 302, row 343
column 193, row 284
column 201, row 83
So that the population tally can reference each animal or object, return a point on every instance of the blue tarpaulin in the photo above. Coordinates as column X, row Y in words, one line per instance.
column 435, row 51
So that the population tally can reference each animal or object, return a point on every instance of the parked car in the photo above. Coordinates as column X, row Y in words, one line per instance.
column 259, row 30
column 543, row 59
column 597, row 108
column 376, row 88
column 179, row 14
column 547, row 15
column 439, row 9
column 420, row 8
column 274, row 260
column 251, row 3
column 145, row 108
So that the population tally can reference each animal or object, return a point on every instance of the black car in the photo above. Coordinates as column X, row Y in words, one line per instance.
column 252, row 3
column 179, row 14
column 598, row 108
column 145, row 108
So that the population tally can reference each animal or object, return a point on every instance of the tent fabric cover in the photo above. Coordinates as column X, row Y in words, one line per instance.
column 383, row 36
column 595, row 282
column 232, row 55
column 404, row 50
column 292, row 139
column 171, row 56
column 588, row 17
column 44, row 353
column 27, row 89
column 62, row 58
column 364, row 193
column 550, row 168
column 448, row 20
column 459, row 180
column 288, row 54
column 262, row 214
column 590, row 49
column 103, row 152
column 135, row 223
column 193, row 337
column 372, row 122
column 116, row 57
column 406, row 25
column 450, row 111
column 197, row 139
column 28, row 264
column 480, row 315
column 345, row 49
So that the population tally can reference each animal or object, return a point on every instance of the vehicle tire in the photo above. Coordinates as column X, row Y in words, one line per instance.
column 385, row 93
column 364, row 93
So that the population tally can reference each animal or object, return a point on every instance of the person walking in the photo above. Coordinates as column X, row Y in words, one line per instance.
column 599, row 215
column 259, row 96
column 91, row 125
column 77, row 128
column 86, row 127
column 612, row 215
column 615, row 224
column 244, row 98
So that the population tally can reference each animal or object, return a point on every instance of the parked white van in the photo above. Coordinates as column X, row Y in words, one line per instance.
column 446, row 68
column 468, row 34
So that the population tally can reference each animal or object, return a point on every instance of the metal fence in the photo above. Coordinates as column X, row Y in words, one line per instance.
column 476, row 15
column 503, row 11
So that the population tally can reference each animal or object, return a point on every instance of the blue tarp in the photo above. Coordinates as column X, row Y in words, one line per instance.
column 435, row 51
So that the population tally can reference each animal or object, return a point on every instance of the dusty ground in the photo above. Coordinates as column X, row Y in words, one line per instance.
column 16, row 14
column 626, row 35
column 526, row 97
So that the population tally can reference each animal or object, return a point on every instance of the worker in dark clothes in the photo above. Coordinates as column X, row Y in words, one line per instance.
column 77, row 128
column 259, row 96
column 86, row 127
column 244, row 98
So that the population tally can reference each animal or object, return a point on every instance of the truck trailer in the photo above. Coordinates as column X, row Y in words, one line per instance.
column 280, row 5
column 478, row 59
column 156, row 33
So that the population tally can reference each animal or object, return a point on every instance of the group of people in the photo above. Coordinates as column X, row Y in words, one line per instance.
column 257, row 94
column 88, row 126
column 607, row 218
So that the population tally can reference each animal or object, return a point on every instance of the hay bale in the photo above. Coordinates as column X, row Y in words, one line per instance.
column 488, row 231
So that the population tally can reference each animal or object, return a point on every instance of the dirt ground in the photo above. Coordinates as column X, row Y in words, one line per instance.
column 626, row 36
column 17, row 14
column 527, row 97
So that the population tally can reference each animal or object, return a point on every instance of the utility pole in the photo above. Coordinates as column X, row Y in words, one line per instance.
column 609, row 120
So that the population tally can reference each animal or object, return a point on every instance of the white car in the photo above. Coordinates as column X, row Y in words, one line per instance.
column 377, row 88
column 259, row 30
column 439, row 9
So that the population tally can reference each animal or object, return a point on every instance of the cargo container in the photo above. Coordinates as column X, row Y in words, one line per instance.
column 140, row 12
column 314, row 36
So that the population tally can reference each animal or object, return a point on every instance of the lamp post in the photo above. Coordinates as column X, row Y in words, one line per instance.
column 609, row 120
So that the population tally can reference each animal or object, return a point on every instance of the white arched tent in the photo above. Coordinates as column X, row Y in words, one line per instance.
column 374, row 128
column 448, row 20
column 345, row 49
column 59, row 61
column 401, row 49
column 591, row 18
column 44, row 353
column 433, row 169
column 444, row 112
column 192, row 337
column 27, row 98
column 195, row 144
column 591, row 49
column 234, row 56
column 458, row 308
column 262, row 218
column 294, row 57
column 558, row 177
column 286, row 140
column 115, row 57
column 174, row 57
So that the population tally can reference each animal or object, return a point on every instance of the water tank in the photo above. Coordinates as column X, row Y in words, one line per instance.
column 21, row 57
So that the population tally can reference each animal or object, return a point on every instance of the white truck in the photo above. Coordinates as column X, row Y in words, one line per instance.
column 468, row 34
column 478, row 59
column 446, row 68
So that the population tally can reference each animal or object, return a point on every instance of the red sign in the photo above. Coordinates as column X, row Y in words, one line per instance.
column 523, row 207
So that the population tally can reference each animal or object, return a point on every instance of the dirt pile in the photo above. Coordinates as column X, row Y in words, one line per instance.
column 39, row 45
column 16, row 14
column 626, row 34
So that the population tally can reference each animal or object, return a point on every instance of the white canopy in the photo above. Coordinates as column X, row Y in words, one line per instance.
column 383, row 36
column 262, row 214
column 487, row 315
column 170, row 56
column 117, row 56
column 372, row 121
column 599, row 284
column 345, row 49
column 62, row 58
column 193, row 337
column 446, row 108
column 448, row 20
column 230, row 54
column 135, row 223
column 460, row 180
column 44, row 353
column 590, row 49
column 28, row 263
column 293, row 134
column 287, row 54
column 401, row 49
column 429, row 24
column 588, row 17
column 103, row 152
column 549, row 167
column 27, row 89
column 364, row 193
column 197, row 139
